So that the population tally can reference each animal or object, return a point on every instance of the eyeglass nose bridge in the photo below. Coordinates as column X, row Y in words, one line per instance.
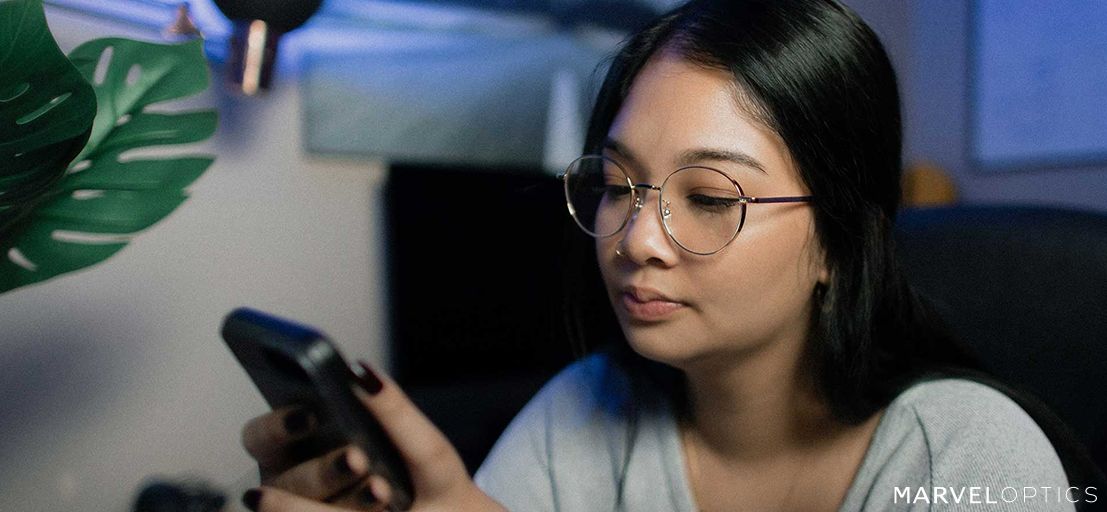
column 640, row 191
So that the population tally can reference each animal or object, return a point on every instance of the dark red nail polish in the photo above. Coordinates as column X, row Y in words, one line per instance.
column 251, row 498
column 368, row 379
column 342, row 464
column 365, row 497
column 297, row 422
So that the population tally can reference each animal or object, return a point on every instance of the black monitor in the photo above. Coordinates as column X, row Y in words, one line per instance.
column 474, row 265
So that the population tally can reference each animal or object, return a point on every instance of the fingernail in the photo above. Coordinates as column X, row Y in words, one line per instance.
column 342, row 464
column 368, row 379
column 297, row 422
column 251, row 499
column 365, row 496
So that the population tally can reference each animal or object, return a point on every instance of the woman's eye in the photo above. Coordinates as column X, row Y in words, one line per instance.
column 616, row 190
column 712, row 203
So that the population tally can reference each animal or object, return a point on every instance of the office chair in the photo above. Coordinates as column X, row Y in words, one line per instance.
column 1025, row 290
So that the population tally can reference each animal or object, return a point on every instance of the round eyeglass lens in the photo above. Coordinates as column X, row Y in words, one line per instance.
column 599, row 195
column 702, row 209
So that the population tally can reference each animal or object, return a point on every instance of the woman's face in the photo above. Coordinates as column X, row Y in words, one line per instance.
column 681, row 308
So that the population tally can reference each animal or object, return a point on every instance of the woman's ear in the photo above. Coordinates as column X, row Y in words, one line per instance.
column 822, row 269
column 816, row 256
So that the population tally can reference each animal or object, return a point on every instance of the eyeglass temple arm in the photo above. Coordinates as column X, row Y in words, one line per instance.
column 789, row 199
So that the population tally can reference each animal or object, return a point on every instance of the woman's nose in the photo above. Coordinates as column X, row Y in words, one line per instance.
column 645, row 240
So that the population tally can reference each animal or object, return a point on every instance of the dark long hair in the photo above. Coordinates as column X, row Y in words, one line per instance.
column 818, row 76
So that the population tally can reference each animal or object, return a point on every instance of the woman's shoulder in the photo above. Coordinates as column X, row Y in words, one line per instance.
column 587, row 402
column 594, row 385
column 574, row 402
column 948, row 435
column 967, row 420
column 566, row 448
column 949, row 404
column 955, row 411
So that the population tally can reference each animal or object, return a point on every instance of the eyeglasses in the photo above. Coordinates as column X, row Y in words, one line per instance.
column 702, row 209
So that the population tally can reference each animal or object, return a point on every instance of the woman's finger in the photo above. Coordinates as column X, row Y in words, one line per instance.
column 270, row 499
column 372, row 494
column 324, row 476
column 267, row 437
column 431, row 459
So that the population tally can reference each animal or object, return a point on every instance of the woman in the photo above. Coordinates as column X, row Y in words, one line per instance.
column 741, row 183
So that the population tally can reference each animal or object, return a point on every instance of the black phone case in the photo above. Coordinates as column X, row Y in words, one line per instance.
column 292, row 364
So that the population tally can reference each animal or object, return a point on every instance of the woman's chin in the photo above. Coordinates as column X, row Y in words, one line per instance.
column 675, row 347
column 656, row 345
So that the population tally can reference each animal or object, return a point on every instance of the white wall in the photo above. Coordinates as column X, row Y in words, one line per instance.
column 116, row 373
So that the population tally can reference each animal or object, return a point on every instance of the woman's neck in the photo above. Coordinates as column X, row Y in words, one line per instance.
column 759, row 405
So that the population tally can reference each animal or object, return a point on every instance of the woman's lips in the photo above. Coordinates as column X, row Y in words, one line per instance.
column 644, row 307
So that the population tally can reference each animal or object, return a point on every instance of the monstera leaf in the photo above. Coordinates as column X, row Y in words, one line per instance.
column 111, row 191
column 46, row 108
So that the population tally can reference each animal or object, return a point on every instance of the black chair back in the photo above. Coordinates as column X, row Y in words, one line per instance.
column 1025, row 289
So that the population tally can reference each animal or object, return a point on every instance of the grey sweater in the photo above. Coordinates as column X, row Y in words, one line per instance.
column 941, row 445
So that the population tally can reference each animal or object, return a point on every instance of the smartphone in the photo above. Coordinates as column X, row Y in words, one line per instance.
column 292, row 364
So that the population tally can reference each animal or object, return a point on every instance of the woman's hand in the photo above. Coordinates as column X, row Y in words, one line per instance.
column 339, row 480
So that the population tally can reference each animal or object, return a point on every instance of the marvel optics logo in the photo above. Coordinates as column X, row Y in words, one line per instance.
column 988, row 496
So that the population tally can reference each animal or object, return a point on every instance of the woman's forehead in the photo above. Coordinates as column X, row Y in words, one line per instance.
column 675, row 108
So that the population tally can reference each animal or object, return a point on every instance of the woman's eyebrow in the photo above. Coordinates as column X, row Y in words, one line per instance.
column 621, row 149
column 694, row 156
column 691, row 156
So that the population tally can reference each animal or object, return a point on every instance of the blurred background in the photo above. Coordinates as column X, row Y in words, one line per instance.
column 383, row 117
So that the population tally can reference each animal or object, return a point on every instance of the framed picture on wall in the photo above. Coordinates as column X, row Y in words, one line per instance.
column 1038, row 93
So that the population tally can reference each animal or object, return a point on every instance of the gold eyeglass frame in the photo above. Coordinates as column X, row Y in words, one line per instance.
column 638, row 201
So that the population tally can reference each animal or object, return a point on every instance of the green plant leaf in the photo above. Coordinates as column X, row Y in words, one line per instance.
column 46, row 109
column 111, row 192
column 138, row 74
